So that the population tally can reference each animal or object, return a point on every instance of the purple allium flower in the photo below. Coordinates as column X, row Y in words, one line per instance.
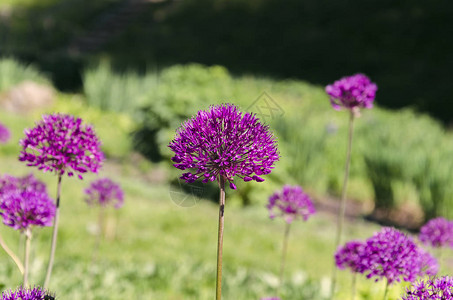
column 394, row 256
column 437, row 232
column 21, row 293
column 28, row 182
column 61, row 143
column 103, row 192
column 291, row 202
column 5, row 134
column 224, row 142
column 432, row 289
column 351, row 256
column 21, row 209
column 352, row 92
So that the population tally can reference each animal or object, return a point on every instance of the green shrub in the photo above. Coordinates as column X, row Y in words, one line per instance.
column 13, row 72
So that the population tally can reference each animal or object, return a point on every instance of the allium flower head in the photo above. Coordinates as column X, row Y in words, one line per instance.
column 428, row 264
column 432, row 289
column 437, row 232
column 103, row 192
column 352, row 92
column 5, row 135
column 21, row 293
column 392, row 255
column 291, row 203
column 28, row 182
column 224, row 142
column 21, row 209
column 61, row 143
column 351, row 256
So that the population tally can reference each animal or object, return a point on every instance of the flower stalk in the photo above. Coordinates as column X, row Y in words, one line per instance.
column 54, row 234
column 28, row 235
column 342, row 210
column 220, row 238
column 284, row 251
column 13, row 256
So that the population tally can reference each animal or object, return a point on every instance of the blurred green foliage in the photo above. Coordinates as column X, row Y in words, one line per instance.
column 13, row 72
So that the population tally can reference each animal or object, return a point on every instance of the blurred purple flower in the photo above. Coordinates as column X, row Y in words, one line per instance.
column 291, row 202
column 21, row 293
column 224, row 142
column 62, row 144
column 28, row 182
column 437, row 232
column 351, row 256
column 104, row 192
column 5, row 134
column 21, row 209
column 394, row 256
column 432, row 289
column 352, row 92
column 428, row 264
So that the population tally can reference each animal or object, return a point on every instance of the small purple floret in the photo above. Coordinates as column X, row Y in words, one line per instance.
column 61, row 143
column 5, row 134
column 291, row 203
column 21, row 293
column 352, row 92
column 437, row 233
column 432, row 289
column 224, row 142
column 104, row 192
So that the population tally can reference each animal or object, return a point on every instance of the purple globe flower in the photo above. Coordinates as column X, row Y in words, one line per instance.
column 352, row 92
column 351, row 256
column 21, row 293
column 437, row 232
column 392, row 255
column 61, row 143
column 432, row 289
column 428, row 264
column 224, row 142
column 104, row 192
column 5, row 134
column 28, row 182
column 23, row 209
column 291, row 203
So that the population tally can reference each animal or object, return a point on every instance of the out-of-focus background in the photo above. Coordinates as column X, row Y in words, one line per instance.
column 137, row 69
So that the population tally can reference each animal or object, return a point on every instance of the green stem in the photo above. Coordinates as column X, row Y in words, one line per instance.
column 54, row 234
column 12, row 255
column 386, row 290
column 220, row 238
column 354, row 285
column 342, row 210
column 26, row 256
column 284, row 251
column 100, row 234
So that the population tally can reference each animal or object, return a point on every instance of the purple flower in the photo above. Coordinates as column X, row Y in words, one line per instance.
column 224, row 142
column 61, row 143
column 437, row 232
column 432, row 289
column 22, row 209
column 21, row 293
column 5, row 134
column 351, row 256
column 103, row 192
column 28, row 182
column 392, row 255
column 352, row 92
column 291, row 202
column 428, row 264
